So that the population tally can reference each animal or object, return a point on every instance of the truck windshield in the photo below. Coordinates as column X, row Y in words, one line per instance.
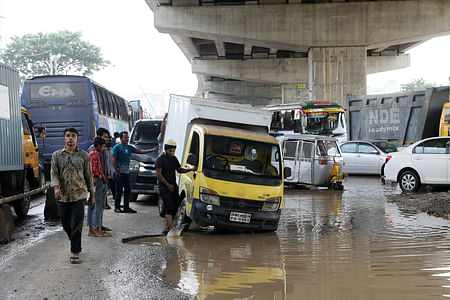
column 146, row 133
column 242, row 160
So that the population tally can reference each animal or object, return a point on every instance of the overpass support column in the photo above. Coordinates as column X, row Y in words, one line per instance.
column 336, row 72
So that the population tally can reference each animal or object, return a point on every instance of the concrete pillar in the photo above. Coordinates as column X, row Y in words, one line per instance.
column 292, row 93
column 336, row 72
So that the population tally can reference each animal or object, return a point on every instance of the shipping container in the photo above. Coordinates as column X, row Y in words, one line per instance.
column 11, row 157
column 401, row 118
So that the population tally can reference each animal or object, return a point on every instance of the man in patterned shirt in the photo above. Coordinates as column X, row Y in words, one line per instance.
column 71, row 176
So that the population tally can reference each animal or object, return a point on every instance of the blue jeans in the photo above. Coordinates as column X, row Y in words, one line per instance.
column 123, row 183
column 95, row 212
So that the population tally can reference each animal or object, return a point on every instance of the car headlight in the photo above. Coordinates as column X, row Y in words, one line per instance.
column 271, row 204
column 134, row 165
column 209, row 196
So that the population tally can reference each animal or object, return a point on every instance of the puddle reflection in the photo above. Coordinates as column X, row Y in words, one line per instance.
column 329, row 245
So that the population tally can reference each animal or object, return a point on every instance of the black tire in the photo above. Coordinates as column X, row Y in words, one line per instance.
column 181, row 216
column 133, row 197
column 409, row 182
column 22, row 206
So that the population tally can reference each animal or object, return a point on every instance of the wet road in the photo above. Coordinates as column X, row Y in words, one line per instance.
column 329, row 245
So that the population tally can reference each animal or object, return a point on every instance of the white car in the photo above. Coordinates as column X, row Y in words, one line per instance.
column 426, row 162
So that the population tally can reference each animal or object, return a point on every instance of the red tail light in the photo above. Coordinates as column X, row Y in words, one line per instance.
column 388, row 158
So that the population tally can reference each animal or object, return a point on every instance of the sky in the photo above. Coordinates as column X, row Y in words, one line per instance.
column 145, row 61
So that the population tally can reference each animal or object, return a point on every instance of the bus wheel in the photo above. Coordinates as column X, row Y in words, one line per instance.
column 22, row 206
column 133, row 197
column 181, row 217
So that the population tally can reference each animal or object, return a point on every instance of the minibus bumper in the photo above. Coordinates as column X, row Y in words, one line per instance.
column 210, row 215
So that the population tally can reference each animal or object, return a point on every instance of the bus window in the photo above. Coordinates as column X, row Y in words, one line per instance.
column 100, row 102
column 107, row 103
column 115, row 108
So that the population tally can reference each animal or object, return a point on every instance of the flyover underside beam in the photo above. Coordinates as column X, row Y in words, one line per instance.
column 377, row 64
column 243, row 89
column 371, row 24
column 272, row 71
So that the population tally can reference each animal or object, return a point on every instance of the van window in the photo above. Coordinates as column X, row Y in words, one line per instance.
column 146, row 133
column 307, row 150
column 290, row 148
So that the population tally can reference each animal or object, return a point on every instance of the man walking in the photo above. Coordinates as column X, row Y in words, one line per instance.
column 71, row 178
column 121, row 162
column 166, row 165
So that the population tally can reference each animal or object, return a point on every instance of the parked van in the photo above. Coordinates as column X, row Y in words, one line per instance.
column 239, row 179
column 142, row 166
column 314, row 160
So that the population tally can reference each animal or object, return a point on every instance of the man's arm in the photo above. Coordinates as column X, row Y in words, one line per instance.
column 114, row 163
column 87, row 172
column 141, row 151
column 55, row 180
column 184, row 170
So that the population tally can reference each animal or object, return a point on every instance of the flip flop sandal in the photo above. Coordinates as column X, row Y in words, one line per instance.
column 106, row 228
column 75, row 260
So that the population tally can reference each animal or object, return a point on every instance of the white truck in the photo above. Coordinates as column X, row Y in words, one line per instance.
column 239, row 179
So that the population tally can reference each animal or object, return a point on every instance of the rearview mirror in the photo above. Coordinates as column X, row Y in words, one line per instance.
column 192, row 159
column 41, row 132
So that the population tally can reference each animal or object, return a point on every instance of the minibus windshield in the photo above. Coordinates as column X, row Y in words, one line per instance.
column 230, row 158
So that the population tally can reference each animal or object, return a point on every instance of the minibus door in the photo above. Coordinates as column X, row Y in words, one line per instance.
column 289, row 159
column 305, row 156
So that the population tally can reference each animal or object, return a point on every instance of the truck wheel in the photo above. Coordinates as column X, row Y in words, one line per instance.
column 409, row 182
column 181, row 217
column 22, row 206
column 42, row 182
column 133, row 197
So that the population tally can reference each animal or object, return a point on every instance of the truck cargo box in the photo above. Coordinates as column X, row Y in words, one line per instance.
column 184, row 111
column 11, row 157
column 402, row 118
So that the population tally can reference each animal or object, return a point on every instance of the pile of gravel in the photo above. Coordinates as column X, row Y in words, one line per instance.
column 436, row 204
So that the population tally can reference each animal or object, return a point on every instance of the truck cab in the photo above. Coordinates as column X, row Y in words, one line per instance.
column 238, row 183
column 143, row 175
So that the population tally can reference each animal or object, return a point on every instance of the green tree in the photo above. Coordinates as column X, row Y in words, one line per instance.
column 416, row 85
column 53, row 53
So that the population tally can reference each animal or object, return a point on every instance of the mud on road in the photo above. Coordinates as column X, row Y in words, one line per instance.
column 433, row 203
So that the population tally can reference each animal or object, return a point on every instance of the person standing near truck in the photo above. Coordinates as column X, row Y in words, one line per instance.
column 121, row 161
column 71, row 178
column 95, row 212
column 166, row 165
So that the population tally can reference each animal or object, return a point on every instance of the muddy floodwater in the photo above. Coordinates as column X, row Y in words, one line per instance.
column 349, row 244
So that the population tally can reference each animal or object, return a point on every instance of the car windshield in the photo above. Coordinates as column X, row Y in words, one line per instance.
column 386, row 146
column 232, row 155
column 146, row 133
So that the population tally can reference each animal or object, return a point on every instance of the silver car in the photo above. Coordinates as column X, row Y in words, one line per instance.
column 366, row 157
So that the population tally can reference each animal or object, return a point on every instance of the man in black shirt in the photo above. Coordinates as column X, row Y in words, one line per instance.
column 166, row 165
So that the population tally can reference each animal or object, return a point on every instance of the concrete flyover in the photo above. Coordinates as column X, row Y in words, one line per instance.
column 270, row 51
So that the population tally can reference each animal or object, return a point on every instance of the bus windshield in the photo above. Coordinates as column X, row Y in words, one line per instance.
column 241, row 160
column 325, row 123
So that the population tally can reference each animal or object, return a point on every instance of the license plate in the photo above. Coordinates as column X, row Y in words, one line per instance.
column 240, row 217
